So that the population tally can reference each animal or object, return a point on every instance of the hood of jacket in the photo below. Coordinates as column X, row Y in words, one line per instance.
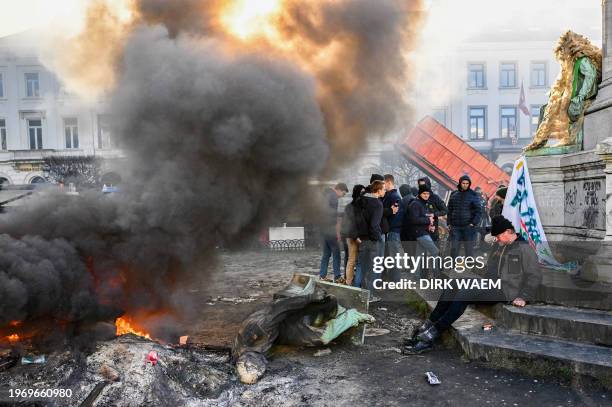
column 426, row 180
column 464, row 178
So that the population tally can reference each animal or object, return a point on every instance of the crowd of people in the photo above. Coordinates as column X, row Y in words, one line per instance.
column 384, row 220
column 381, row 220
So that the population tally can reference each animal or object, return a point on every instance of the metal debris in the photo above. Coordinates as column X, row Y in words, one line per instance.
column 323, row 352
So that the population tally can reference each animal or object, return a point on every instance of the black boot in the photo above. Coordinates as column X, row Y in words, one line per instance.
column 424, row 342
column 413, row 339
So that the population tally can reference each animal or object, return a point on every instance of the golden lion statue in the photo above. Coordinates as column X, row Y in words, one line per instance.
column 561, row 118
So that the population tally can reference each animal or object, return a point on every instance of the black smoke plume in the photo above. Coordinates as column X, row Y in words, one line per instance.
column 218, row 141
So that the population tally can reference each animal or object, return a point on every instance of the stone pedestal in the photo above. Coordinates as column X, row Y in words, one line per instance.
column 599, row 115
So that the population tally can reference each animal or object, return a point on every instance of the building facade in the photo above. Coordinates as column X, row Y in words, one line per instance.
column 38, row 118
column 480, row 81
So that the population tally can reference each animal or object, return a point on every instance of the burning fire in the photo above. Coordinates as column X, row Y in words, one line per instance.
column 246, row 18
column 13, row 338
column 124, row 326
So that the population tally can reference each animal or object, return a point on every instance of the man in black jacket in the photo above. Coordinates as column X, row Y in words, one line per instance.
column 438, row 207
column 512, row 260
column 368, row 214
column 421, row 220
column 464, row 211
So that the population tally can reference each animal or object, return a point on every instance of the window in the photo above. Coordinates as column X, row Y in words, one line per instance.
column 440, row 115
column 2, row 134
column 71, row 131
column 104, row 131
column 535, row 118
column 509, row 119
column 477, row 76
column 35, row 134
column 538, row 74
column 32, row 85
column 477, row 122
column 1, row 85
column 507, row 73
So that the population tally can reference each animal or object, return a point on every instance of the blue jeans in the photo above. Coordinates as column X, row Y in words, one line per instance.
column 330, row 249
column 394, row 246
column 358, row 277
column 381, row 246
column 427, row 247
column 368, row 249
column 465, row 235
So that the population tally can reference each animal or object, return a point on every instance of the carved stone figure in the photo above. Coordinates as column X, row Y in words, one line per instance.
column 561, row 118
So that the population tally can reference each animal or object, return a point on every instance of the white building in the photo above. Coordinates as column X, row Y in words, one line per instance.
column 38, row 118
column 479, row 81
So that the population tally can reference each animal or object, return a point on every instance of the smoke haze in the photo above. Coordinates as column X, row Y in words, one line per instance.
column 220, row 136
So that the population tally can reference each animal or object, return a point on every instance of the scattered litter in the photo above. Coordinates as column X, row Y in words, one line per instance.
column 323, row 352
column 487, row 327
column 183, row 340
column 396, row 350
column 376, row 331
column 248, row 395
column 109, row 373
column 31, row 359
column 432, row 378
column 382, row 309
column 151, row 358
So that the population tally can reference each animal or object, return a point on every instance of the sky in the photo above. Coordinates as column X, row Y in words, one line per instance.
column 20, row 15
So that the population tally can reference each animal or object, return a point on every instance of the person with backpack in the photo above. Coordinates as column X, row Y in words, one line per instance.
column 349, row 233
column 368, row 215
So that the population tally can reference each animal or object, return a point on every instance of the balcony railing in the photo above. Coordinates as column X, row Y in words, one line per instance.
column 39, row 155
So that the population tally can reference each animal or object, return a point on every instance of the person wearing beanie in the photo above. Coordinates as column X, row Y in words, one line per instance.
column 464, row 213
column 512, row 260
column 421, row 222
column 497, row 203
column 436, row 206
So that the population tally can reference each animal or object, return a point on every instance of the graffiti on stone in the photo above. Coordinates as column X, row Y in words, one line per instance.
column 571, row 197
column 584, row 204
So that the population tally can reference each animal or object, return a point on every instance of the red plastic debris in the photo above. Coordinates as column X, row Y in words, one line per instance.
column 151, row 358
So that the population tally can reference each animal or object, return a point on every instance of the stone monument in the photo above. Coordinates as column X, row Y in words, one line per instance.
column 573, row 188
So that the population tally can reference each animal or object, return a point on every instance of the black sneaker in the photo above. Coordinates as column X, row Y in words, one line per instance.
column 418, row 348
column 410, row 341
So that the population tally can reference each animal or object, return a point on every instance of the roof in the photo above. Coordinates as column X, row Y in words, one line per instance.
column 445, row 157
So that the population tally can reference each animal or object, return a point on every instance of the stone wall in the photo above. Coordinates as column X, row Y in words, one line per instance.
column 570, row 191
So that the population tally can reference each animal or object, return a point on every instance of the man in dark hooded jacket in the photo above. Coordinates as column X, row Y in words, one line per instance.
column 464, row 212
column 436, row 204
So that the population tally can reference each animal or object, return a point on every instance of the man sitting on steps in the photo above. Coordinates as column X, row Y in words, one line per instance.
column 512, row 260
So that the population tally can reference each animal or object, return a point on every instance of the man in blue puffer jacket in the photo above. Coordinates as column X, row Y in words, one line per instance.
column 464, row 212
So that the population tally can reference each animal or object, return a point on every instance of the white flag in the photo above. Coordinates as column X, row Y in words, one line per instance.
column 520, row 209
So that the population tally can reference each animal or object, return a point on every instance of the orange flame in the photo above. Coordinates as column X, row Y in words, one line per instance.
column 13, row 338
column 124, row 326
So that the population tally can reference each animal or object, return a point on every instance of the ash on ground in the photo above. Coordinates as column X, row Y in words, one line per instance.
column 124, row 377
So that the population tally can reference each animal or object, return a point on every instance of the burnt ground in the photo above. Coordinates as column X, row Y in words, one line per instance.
column 372, row 374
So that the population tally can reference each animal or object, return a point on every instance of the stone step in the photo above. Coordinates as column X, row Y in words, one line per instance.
column 539, row 355
column 574, row 361
column 573, row 324
column 564, row 289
